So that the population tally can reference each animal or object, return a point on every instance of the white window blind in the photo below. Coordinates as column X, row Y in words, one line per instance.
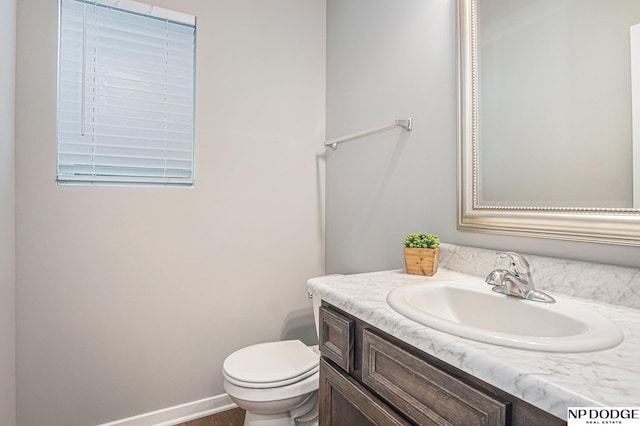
column 125, row 93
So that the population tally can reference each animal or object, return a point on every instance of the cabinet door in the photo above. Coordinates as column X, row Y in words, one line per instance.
column 336, row 338
column 343, row 402
column 424, row 393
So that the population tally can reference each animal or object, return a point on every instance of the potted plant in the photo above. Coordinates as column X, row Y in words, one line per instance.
column 421, row 252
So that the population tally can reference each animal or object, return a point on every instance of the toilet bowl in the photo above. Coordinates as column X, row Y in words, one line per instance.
column 276, row 383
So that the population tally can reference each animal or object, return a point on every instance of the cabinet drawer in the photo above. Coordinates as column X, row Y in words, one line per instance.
column 345, row 402
column 336, row 338
column 424, row 393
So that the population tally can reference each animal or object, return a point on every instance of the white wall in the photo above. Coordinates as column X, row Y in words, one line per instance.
column 386, row 62
column 7, row 214
column 129, row 299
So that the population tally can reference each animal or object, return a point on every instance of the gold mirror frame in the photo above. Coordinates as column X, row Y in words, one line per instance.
column 600, row 225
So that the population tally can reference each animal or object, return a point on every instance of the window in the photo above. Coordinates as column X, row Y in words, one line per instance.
column 125, row 93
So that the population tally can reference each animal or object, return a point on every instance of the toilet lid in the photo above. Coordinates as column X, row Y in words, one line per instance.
column 270, row 362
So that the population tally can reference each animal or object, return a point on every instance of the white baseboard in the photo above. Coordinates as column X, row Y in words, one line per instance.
column 179, row 413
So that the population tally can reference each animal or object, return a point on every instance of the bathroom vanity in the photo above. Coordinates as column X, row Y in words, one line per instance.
column 374, row 377
column 379, row 367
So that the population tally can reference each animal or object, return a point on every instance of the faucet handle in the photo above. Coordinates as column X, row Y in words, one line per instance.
column 518, row 263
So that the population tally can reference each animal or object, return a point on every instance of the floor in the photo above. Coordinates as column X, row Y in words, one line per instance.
column 233, row 417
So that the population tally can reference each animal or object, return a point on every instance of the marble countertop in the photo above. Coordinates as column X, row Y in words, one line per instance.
column 550, row 381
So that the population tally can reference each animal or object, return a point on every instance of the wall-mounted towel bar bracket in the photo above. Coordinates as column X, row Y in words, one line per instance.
column 404, row 123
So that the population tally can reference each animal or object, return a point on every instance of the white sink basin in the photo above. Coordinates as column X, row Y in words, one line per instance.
column 469, row 308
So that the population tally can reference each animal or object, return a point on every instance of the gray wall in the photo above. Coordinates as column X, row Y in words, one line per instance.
column 561, row 69
column 129, row 299
column 387, row 60
column 7, row 214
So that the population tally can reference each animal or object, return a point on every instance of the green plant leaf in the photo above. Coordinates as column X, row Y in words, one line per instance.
column 416, row 240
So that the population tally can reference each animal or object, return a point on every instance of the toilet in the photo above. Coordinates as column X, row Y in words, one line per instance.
column 276, row 382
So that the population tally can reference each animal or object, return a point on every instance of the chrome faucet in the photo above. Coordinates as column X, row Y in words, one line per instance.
column 518, row 281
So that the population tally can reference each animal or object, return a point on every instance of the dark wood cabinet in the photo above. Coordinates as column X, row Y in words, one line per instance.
column 344, row 401
column 368, row 377
column 336, row 338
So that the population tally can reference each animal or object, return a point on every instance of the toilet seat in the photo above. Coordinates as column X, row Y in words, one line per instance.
column 293, row 390
column 270, row 365
column 265, row 385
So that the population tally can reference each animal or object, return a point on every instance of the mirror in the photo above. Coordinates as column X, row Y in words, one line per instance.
column 549, row 118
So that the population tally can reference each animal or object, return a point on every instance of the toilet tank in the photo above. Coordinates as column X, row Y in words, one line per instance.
column 316, row 311
column 316, row 306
